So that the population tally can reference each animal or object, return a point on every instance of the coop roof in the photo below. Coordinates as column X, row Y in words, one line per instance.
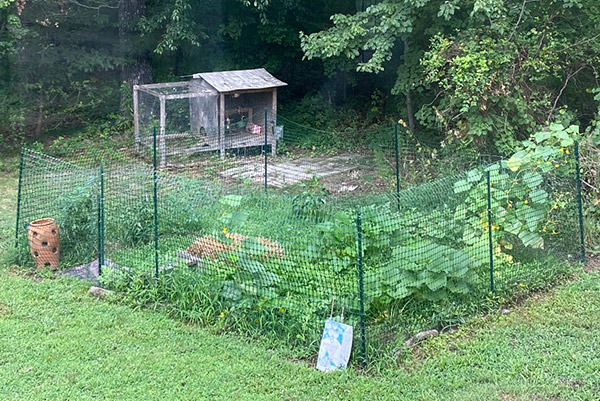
column 231, row 81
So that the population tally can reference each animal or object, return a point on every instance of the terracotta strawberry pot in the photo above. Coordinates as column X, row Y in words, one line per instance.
column 44, row 243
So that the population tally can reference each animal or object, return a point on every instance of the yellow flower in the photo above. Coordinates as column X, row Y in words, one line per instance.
column 526, row 202
column 222, row 314
column 282, row 310
column 521, row 285
column 548, row 162
column 224, row 230
column 567, row 151
column 555, row 207
column 557, row 165
column 561, row 150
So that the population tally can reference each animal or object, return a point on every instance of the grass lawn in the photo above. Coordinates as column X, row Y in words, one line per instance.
column 57, row 343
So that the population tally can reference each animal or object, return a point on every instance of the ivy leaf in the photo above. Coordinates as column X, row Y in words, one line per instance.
column 458, row 287
column 474, row 176
column 514, row 228
column 532, row 180
column 400, row 291
column 534, row 217
column 434, row 281
column 531, row 239
column 538, row 196
column 461, row 186
column 541, row 136
column 516, row 160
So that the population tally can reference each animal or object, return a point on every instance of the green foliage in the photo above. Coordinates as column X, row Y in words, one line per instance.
column 78, row 226
column 310, row 202
column 481, row 73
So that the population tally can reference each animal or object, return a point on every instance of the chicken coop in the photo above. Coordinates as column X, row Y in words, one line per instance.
column 214, row 111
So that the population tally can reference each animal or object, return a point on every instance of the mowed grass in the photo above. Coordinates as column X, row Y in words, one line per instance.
column 57, row 343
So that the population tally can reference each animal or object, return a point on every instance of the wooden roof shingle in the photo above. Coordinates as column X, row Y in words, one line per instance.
column 231, row 81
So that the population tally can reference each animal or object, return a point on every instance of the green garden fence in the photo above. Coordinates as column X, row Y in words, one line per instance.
column 402, row 254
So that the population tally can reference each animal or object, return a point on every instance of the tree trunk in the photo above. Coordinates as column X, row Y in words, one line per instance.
column 136, row 68
column 409, row 102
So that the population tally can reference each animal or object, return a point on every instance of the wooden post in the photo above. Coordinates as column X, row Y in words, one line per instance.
column 222, row 126
column 136, row 123
column 274, row 118
column 161, row 140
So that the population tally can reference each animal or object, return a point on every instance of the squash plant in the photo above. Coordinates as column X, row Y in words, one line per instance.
column 521, row 203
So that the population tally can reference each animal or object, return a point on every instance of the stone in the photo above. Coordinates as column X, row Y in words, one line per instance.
column 425, row 335
column 99, row 292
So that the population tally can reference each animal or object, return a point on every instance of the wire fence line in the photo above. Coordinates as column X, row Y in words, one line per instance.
column 278, row 260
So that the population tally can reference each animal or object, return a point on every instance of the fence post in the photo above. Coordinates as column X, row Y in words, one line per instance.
column 397, row 165
column 155, row 198
column 579, row 201
column 361, row 292
column 101, row 222
column 265, row 147
column 21, row 164
column 489, row 216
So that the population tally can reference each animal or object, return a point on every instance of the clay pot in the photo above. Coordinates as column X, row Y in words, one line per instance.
column 44, row 243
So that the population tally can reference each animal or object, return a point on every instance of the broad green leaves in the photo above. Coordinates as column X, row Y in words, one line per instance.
column 424, row 269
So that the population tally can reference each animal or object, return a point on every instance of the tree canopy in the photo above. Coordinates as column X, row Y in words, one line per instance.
column 483, row 73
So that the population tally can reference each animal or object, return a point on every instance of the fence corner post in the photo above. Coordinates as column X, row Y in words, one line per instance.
column 490, row 240
column 579, row 202
column 361, row 292
column 155, row 199
column 265, row 147
column 397, row 165
column 101, row 222
column 21, row 165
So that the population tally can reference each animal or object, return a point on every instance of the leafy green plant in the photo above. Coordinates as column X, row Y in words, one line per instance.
column 309, row 204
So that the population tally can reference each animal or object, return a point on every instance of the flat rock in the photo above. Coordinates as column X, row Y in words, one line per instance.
column 99, row 292
column 421, row 336
column 426, row 334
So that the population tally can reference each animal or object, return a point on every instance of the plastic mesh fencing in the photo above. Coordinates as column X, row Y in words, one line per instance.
column 276, row 261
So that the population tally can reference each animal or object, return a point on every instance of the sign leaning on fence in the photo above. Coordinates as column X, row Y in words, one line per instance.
column 336, row 346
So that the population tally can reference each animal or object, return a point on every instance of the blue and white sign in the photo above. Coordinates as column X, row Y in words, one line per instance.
column 336, row 345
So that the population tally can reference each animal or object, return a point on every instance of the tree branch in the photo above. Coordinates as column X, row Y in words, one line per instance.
column 92, row 7
column 569, row 76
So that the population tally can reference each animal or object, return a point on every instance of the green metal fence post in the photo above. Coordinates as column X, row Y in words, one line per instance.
column 397, row 165
column 98, row 223
column 579, row 201
column 155, row 198
column 21, row 164
column 101, row 222
column 361, row 292
column 265, row 148
column 489, row 216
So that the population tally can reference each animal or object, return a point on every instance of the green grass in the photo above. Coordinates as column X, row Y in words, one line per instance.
column 58, row 343
column 8, row 203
